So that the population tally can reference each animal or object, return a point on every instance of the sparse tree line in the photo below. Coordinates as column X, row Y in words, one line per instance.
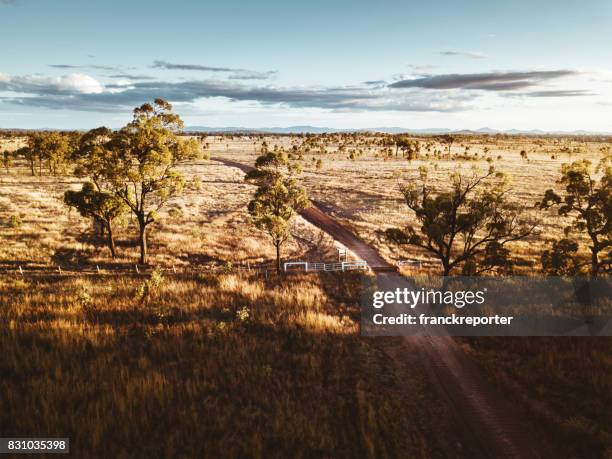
column 469, row 228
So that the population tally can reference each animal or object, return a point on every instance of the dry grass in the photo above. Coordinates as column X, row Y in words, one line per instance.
column 206, row 225
column 226, row 366
column 364, row 192
column 243, row 365
column 209, row 223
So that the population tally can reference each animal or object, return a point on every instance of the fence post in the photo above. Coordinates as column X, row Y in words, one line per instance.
column 59, row 269
column 21, row 271
column 174, row 269
column 137, row 272
column 98, row 268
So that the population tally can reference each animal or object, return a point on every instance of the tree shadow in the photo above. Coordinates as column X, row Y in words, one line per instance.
column 201, row 259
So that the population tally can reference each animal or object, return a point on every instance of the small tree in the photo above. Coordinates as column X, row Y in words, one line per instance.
column 278, row 197
column 448, row 139
column 103, row 207
column 589, row 202
column 7, row 160
column 561, row 259
column 142, row 169
column 32, row 152
column 57, row 147
column 468, row 226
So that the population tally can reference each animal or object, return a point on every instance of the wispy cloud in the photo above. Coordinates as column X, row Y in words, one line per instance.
column 159, row 64
column 493, row 81
column 131, row 76
column 557, row 93
column 78, row 91
column 89, row 66
column 248, row 75
column 236, row 73
column 64, row 66
column 470, row 54
column 75, row 93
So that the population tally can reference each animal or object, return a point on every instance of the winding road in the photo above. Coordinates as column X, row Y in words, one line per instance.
column 485, row 421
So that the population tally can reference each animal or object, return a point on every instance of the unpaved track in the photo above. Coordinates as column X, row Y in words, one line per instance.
column 485, row 421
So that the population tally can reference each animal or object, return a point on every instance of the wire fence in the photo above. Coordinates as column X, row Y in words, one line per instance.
column 193, row 271
column 131, row 270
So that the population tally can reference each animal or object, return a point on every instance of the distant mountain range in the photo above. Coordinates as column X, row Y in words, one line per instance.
column 388, row 130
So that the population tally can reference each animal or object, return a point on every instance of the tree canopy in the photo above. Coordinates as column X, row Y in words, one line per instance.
column 468, row 226
column 277, row 197
column 588, row 201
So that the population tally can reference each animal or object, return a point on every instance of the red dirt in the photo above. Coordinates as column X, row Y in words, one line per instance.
column 485, row 421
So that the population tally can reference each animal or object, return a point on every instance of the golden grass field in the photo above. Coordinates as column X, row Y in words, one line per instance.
column 247, row 364
column 236, row 365
column 208, row 223
column 364, row 192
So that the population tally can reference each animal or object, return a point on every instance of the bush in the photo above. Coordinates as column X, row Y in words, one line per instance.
column 15, row 221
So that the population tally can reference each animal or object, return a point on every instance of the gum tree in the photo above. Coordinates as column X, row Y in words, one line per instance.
column 468, row 226
column 138, row 164
column 143, row 167
column 277, row 198
column 588, row 201
column 102, row 206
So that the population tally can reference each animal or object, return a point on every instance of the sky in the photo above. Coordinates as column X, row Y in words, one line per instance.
column 538, row 64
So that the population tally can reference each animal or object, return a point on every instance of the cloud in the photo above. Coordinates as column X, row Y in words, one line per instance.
column 493, row 81
column 70, row 66
column 130, row 76
column 74, row 83
column 558, row 93
column 248, row 75
column 77, row 93
column 471, row 54
column 237, row 74
column 375, row 82
column 64, row 66
column 8, row 2
column 206, row 68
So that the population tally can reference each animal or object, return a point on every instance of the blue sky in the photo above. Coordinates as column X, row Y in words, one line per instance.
column 349, row 64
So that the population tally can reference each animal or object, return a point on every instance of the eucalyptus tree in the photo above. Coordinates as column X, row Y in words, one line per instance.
column 587, row 199
column 468, row 226
column 138, row 164
column 143, row 166
column 102, row 206
column 277, row 199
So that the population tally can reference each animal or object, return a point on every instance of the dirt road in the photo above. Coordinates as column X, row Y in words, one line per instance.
column 485, row 422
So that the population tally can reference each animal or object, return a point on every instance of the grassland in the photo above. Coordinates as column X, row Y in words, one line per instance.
column 245, row 364
column 215, row 366
column 364, row 194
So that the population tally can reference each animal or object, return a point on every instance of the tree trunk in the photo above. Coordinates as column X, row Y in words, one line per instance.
column 594, row 262
column 143, row 241
column 111, row 239
column 278, row 260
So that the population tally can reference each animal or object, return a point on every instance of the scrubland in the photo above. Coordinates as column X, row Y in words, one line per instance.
column 212, row 365
column 363, row 192
column 239, row 363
